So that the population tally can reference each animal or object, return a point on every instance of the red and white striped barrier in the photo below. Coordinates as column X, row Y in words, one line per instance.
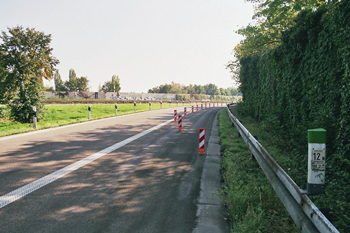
column 201, row 143
column 192, row 109
column 197, row 108
column 175, row 115
column 180, row 122
column 185, row 111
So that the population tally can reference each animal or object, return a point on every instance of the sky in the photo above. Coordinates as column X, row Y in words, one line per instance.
column 146, row 43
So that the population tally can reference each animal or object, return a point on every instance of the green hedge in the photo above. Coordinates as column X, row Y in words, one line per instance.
column 304, row 84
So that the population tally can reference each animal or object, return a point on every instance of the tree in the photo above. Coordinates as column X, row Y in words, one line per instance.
column 199, row 89
column 26, row 58
column 175, row 88
column 211, row 89
column 83, row 84
column 154, row 90
column 272, row 18
column 190, row 89
column 48, row 88
column 72, row 83
column 166, row 88
column 59, row 85
column 112, row 86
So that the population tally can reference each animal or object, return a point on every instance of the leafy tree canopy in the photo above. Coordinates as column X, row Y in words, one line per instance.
column 208, row 89
column 25, row 59
column 73, row 84
column 112, row 86
column 271, row 19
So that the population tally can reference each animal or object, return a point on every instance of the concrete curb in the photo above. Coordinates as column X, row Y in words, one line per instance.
column 210, row 210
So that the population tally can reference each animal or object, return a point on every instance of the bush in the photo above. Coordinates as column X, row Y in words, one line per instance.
column 21, row 108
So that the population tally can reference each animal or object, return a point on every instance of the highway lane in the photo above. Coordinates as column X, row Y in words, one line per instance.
column 148, row 185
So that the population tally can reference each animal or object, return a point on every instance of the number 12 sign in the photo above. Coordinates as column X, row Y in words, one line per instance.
column 318, row 161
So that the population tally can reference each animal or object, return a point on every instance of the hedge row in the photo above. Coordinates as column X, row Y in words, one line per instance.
column 305, row 84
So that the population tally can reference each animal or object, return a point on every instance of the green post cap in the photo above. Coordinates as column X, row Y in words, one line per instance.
column 316, row 135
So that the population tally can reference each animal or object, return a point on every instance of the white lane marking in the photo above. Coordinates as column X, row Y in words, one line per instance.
column 31, row 187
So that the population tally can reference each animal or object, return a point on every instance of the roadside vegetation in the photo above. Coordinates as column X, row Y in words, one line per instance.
column 250, row 201
column 58, row 115
column 294, row 75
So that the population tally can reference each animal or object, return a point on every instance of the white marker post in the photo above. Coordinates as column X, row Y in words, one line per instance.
column 89, row 112
column 34, row 117
column 116, row 109
column 316, row 161
column 134, row 106
column 150, row 106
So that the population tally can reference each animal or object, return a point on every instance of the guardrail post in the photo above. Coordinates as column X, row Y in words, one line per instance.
column 116, row 109
column 316, row 161
column 150, row 106
column 89, row 112
column 34, row 117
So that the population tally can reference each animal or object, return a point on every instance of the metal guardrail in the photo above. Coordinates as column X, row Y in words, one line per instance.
column 303, row 211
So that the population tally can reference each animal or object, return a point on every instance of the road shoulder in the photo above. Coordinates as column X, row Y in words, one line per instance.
column 210, row 210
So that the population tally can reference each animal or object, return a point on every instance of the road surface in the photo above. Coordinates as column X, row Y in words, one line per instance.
column 145, row 181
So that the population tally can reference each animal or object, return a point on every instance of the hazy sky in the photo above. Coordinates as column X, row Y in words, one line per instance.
column 145, row 42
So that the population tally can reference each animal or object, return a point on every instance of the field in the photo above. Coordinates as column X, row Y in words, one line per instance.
column 58, row 115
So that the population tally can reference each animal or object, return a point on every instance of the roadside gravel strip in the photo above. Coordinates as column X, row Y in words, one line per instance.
column 31, row 187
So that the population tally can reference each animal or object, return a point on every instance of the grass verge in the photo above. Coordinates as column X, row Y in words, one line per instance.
column 58, row 115
column 251, row 203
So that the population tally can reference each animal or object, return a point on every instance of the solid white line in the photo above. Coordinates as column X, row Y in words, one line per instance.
column 31, row 187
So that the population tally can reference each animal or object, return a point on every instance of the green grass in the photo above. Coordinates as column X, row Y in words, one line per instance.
column 251, row 203
column 58, row 115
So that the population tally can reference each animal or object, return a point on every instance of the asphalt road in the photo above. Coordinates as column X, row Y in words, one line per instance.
column 150, row 184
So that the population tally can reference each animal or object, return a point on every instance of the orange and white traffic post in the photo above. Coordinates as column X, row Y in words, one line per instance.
column 180, row 122
column 201, row 141
column 175, row 115
column 185, row 111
